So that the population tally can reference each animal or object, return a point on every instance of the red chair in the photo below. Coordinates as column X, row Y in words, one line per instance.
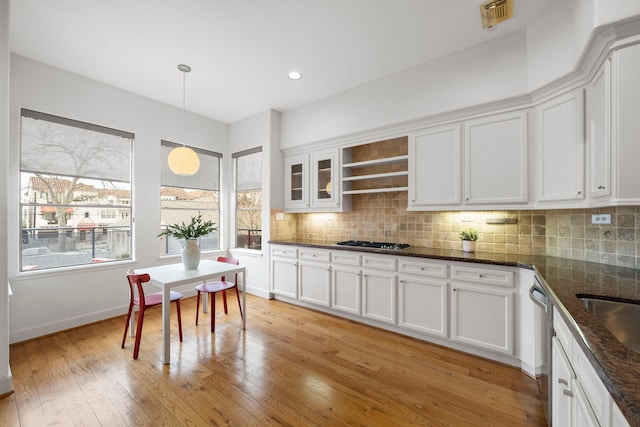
column 215, row 287
column 144, row 302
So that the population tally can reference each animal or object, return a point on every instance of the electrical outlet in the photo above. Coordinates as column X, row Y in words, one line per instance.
column 279, row 216
column 601, row 219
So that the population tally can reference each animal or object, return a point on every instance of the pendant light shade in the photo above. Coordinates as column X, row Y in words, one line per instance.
column 183, row 160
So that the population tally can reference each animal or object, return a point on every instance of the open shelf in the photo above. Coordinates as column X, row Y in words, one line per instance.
column 375, row 190
column 376, row 162
column 374, row 176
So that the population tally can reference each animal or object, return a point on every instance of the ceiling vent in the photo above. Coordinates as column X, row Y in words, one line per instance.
column 495, row 11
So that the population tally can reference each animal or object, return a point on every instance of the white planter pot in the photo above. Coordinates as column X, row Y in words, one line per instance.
column 190, row 254
column 469, row 245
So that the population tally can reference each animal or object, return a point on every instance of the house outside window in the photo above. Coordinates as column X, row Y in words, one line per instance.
column 183, row 197
column 248, row 198
column 70, row 172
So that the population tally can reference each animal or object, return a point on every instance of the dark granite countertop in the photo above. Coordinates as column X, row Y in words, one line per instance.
column 564, row 279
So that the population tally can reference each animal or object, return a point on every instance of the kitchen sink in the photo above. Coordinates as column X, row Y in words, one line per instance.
column 622, row 319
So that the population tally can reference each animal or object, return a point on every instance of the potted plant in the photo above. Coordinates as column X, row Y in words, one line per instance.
column 189, row 235
column 469, row 237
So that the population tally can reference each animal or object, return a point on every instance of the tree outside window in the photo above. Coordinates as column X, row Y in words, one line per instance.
column 69, row 172
column 248, row 198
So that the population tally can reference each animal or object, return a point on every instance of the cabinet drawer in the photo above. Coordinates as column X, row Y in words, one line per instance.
column 483, row 275
column 284, row 251
column 346, row 258
column 594, row 389
column 421, row 268
column 386, row 263
column 563, row 333
column 314, row 255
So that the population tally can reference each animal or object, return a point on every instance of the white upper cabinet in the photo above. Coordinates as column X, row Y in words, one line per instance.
column 495, row 159
column 599, row 132
column 434, row 167
column 626, row 124
column 560, row 141
column 312, row 182
column 487, row 163
column 325, row 187
column 296, row 182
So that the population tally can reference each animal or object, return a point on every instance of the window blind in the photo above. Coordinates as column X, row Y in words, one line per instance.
column 55, row 145
column 207, row 177
column 248, row 169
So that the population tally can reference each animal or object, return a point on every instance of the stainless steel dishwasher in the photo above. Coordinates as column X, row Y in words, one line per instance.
column 539, row 296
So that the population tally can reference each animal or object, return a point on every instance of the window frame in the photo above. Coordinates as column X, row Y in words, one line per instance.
column 36, row 174
column 169, row 245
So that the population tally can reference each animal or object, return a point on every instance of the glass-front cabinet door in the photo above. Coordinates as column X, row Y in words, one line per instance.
column 325, row 188
column 297, row 182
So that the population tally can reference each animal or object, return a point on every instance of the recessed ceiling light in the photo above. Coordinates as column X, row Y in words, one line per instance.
column 295, row 75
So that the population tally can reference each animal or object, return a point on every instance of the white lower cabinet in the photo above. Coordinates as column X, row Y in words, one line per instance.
column 482, row 317
column 579, row 396
column 314, row 276
column 284, row 271
column 315, row 283
column 345, row 289
column 379, row 296
column 562, row 387
column 284, row 277
column 482, row 313
column 423, row 305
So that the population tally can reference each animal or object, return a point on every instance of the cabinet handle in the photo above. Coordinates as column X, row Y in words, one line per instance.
column 601, row 187
column 563, row 381
column 568, row 393
column 357, row 274
column 579, row 192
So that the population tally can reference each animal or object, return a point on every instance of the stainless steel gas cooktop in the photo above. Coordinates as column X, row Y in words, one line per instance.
column 374, row 245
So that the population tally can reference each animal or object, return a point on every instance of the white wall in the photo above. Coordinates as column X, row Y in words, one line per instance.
column 609, row 11
column 513, row 65
column 6, row 383
column 259, row 130
column 556, row 41
column 488, row 72
column 45, row 302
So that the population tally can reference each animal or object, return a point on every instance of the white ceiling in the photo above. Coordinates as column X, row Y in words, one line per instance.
column 241, row 50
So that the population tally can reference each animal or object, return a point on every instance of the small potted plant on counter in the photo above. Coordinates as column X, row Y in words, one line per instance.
column 189, row 235
column 469, row 237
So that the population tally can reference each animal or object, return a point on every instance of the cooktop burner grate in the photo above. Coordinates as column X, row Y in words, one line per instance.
column 374, row 245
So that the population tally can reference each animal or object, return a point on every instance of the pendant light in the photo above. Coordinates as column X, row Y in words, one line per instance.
column 183, row 160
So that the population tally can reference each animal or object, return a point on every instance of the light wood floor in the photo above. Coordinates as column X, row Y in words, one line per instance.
column 292, row 367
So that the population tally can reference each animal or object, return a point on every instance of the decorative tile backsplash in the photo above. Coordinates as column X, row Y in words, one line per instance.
column 565, row 233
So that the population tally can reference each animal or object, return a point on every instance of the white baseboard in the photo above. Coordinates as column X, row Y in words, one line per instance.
column 73, row 322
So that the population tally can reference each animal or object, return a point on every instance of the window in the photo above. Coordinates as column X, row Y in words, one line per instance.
column 183, row 197
column 69, row 172
column 248, row 185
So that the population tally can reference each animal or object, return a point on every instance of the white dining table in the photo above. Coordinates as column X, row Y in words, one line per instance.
column 171, row 275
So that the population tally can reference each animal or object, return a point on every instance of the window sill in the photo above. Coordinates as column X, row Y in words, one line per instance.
column 247, row 252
